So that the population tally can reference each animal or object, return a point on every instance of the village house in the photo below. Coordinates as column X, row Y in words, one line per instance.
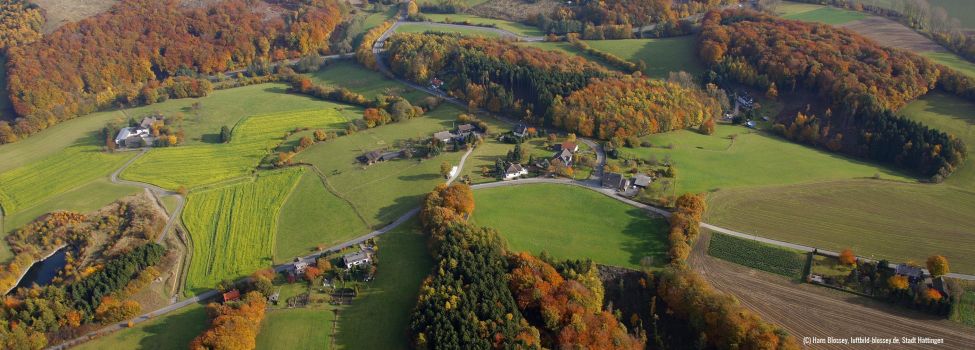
column 642, row 181
column 521, row 130
column 913, row 273
column 376, row 156
column 567, row 145
column 133, row 137
column 614, row 181
column 356, row 259
column 514, row 171
column 444, row 136
column 565, row 156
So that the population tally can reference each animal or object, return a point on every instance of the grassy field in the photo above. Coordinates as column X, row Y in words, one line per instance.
column 233, row 228
column 952, row 115
column 572, row 223
column 959, row 9
column 173, row 331
column 662, row 56
column 197, row 165
column 715, row 162
column 313, row 216
column 28, row 185
column 423, row 28
column 357, row 78
column 818, row 13
column 222, row 107
column 84, row 198
column 879, row 219
column 379, row 318
column 296, row 329
column 514, row 27
column 384, row 191
column 757, row 255
column 964, row 311
column 953, row 61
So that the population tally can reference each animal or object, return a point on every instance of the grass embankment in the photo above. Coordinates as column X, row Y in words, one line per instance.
column 757, row 255
column 379, row 318
column 172, row 331
column 252, row 138
column 313, row 216
column 233, row 228
column 514, row 27
column 572, row 223
column 716, row 162
column 384, row 191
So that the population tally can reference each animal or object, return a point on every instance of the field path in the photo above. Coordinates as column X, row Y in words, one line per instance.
column 156, row 192
column 806, row 310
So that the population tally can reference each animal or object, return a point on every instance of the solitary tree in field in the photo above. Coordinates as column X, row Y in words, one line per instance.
column 938, row 265
column 445, row 169
column 847, row 257
column 224, row 134
column 707, row 128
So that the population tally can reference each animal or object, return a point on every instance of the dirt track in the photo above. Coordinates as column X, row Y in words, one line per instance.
column 811, row 311
column 890, row 33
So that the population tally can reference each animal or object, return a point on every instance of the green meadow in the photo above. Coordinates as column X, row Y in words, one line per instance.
column 514, row 27
column 384, row 191
column 736, row 156
column 172, row 331
column 569, row 222
column 352, row 76
column 312, row 216
column 662, row 56
column 423, row 28
column 952, row 115
column 304, row 328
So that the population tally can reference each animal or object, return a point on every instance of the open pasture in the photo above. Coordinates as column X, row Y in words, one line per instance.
column 233, row 228
column 514, row 27
column 384, row 191
column 378, row 319
column 662, row 56
column 569, row 222
column 252, row 139
column 952, row 115
column 303, row 328
column 369, row 83
column 736, row 156
column 821, row 14
column 879, row 219
column 172, row 331
column 313, row 216
column 28, row 185
column 423, row 28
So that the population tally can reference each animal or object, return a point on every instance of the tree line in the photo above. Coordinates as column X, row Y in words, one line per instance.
column 862, row 82
column 142, row 50
column 617, row 19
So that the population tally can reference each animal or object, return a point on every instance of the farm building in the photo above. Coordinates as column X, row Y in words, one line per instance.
column 521, row 130
column 514, row 170
column 444, row 136
column 133, row 137
column 232, row 295
column 567, row 145
column 642, row 181
column 464, row 129
column 614, row 181
column 376, row 156
column 356, row 259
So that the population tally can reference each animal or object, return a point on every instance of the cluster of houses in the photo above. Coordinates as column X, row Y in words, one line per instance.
column 462, row 133
column 564, row 152
column 137, row 136
column 376, row 156
column 619, row 182
column 918, row 280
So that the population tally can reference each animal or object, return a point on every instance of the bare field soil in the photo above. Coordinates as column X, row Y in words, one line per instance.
column 893, row 34
column 514, row 10
column 59, row 12
column 805, row 310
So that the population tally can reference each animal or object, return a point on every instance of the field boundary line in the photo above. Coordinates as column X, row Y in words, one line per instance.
column 328, row 187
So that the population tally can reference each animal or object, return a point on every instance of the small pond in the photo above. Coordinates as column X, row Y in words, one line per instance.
column 42, row 272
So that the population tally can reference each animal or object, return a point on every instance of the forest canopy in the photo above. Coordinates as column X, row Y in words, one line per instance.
column 143, row 51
